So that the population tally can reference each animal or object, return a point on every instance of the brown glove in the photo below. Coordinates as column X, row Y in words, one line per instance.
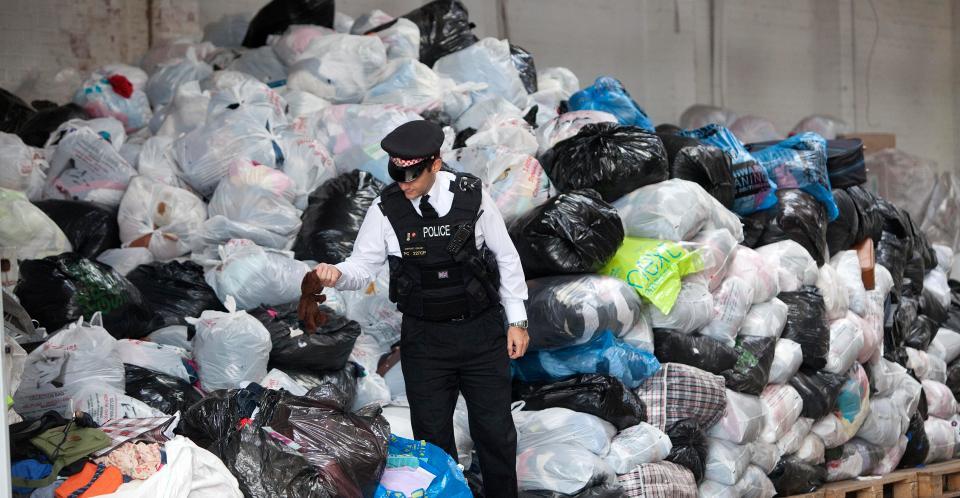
column 308, row 311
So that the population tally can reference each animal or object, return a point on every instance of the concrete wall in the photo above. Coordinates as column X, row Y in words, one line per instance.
column 882, row 65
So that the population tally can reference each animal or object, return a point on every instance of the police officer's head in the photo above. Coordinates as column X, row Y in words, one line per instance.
column 414, row 150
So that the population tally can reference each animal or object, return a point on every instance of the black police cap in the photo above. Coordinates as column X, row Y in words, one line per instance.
column 413, row 140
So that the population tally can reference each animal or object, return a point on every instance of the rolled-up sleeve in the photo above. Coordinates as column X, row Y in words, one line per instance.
column 369, row 252
column 513, row 284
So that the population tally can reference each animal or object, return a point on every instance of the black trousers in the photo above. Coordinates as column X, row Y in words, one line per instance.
column 441, row 359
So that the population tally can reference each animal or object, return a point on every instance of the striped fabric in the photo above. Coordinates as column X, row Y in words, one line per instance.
column 679, row 391
column 659, row 480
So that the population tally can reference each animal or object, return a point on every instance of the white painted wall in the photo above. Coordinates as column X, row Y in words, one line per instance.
column 781, row 59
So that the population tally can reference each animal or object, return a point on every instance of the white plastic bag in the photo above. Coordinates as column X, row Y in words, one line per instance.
column 716, row 490
column 651, row 212
column 480, row 111
column 411, row 84
column 884, row 422
column 944, row 258
column 254, row 275
column 156, row 161
column 834, row 295
column 163, row 84
column 692, row 310
column 290, row 46
column 108, row 404
column 116, row 91
column 22, row 168
column 564, row 468
column 338, row 67
column 942, row 437
column 857, row 459
column 371, row 388
column 515, row 181
column 751, row 129
column 742, row 419
column 83, row 354
column 811, row 450
column 726, row 461
column 230, row 347
column 232, row 92
column 504, row 130
column 945, row 345
column 86, row 167
column 253, row 202
column 276, row 379
column 753, row 268
column 308, row 164
column 562, row 426
column 173, row 335
column 936, row 283
column 795, row 267
column 730, row 305
column 764, row 455
column 126, row 259
column 262, row 63
column 641, row 443
column 765, row 319
column 755, row 484
column 940, row 400
column 372, row 309
column 787, row 358
column 846, row 341
column 847, row 264
column 567, row 125
column 717, row 247
column 401, row 40
column 872, row 324
column 882, row 280
column 781, row 409
column 891, row 457
column 27, row 229
column 487, row 61
column 159, row 217
column 936, row 369
column 370, row 20
column 157, row 357
column 187, row 112
column 790, row 442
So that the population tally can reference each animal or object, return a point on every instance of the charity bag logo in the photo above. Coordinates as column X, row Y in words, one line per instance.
column 436, row 231
column 653, row 267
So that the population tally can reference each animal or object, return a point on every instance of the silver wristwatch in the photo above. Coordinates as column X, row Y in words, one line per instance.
column 521, row 324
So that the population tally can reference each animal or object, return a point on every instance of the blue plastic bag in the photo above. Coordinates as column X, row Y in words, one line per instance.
column 800, row 162
column 449, row 481
column 755, row 191
column 604, row 354
column 608, row 94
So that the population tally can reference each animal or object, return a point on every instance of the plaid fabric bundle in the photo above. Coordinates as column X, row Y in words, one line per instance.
column 121, row 430
column 659, row 480
column 679, row 391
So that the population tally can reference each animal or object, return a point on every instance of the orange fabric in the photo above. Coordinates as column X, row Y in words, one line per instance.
column 109, row 481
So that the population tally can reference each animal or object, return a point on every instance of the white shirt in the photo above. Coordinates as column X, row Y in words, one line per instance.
column 377, row 240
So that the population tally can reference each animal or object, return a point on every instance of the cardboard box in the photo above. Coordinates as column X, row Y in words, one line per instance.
column 873, row 142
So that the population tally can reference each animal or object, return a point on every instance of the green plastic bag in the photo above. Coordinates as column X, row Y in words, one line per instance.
column 654, row 268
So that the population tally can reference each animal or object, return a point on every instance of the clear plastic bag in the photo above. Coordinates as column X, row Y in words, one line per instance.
column 885, row 422
column 891, row 457
column 159, row 217
column 753, row 268
column 857, row 458
column 639, row 444
column 940, row 400
column 834, row 295
column 157, row 357
column 505, row 130
column 187, row 112
column 700, row 115
column 83, row 354
column 847, row 264
column 718, row 248
column 782, row 405
column 22, row 168
column 27, row 229
column 730, row 305
column 786, row 361
column 903, row 179
column 307, row 163
column 411, row 84
column 162, row 85
column 726, row 461
column 751, row 129
column 651, row 212
column 811, row 450
column 253, row 202
column 945, row 345
column 116, row 91
column 742, row 419
column 755, row 484
column 562, row 426
column 826, row 126
column 230, row 348
column 853, row 406
column 872, row 324
column 254, row 275
column 846, row 341
column 765, row 319
column 567, row 125
column 126, row 259
column 85, row 166
column 764, row 455
column 795, row 267
column 487, row 61
column 339, row 67
column 942, row 437
column 790, row 442
column 554, row 85
column 262, row 63
column 402, row 39
column 515, row 181
column 232, row 92
column 372, row 309
column 565, row 468
column 692, row 310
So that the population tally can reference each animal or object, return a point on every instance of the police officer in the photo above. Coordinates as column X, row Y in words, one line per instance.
column 454, row 274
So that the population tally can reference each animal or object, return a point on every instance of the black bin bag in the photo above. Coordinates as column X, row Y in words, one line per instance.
column 334, row 213
column 807, row 325
column 326, row 349
column 842, row 232
column 612, row 159
column 705, row 353
column 917, row 444
column 13, row 112
column 445, row 28
column 210, row 421
column 930, row 306
column 921, row 333
column 793, row 476
column 845, row 164
column 278, row 15
column 953, row 379
column 336, row 386
column 871, row 222
column 892, row 253
column 37, row 130
column 91, row 228
column 58, row 290
column 175, row 291
column 754, row 359
column 705, row 165
column 575, row 232
column 899, row 318
column 163, row 392
column 523, row 61
column 798, row 216
column 689, row 446
column 596, row 394
column 819, row 391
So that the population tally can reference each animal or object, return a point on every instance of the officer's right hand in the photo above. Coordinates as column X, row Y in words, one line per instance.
column 328, row 274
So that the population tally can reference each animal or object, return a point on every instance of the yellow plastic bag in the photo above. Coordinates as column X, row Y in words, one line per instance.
column 654, row 268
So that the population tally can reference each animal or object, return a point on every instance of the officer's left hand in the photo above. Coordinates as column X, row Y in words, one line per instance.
column 517, row 342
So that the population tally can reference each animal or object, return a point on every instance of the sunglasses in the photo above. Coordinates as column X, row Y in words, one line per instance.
column 409, row 173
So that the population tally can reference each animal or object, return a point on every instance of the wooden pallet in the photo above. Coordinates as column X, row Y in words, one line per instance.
column 899, row 484
column 940, row 480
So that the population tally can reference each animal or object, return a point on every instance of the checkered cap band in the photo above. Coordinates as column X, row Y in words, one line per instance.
column 405, row 163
